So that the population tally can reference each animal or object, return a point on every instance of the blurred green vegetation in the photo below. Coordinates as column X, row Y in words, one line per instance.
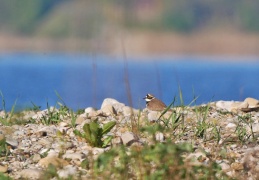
column 84, row 18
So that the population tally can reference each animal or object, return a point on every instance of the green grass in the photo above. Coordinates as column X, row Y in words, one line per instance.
column 155, row 159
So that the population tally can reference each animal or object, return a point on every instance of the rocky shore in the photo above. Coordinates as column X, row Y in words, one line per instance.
column 217, row 140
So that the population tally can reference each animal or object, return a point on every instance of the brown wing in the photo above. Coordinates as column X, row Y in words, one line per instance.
column 156, row 105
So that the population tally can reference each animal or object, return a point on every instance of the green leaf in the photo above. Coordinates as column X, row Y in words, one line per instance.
column 106, row 141
column 94, row 127
column 107, row 127
column 87, row 130
column 77, row 133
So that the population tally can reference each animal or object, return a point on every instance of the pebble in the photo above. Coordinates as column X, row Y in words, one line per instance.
column 35, row 146
column 3, row 169
column 160, row 137
column 108, row 110
column 67, row 171
column 252, row 102
column 31, row 173
column 57, row 162
column 153, row 115
column 128, row 138
column 73, row 156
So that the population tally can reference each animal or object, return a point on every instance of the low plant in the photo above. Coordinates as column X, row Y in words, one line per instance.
column 202, row 125
column 3, row 147
column 55, row 114
column 94, row 133
column 158, row 161
column 7, row 119
column 3, row 177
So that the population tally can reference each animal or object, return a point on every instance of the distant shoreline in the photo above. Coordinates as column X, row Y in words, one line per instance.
column 141, row 44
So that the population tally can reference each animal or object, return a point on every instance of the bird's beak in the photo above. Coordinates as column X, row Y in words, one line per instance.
column 144, row 97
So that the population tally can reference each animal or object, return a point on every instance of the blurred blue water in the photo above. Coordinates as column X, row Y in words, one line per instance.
column 83, row 80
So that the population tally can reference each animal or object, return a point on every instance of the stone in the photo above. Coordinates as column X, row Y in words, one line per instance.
column 3, row 169
column 80, row 120
column 73, row 156
column 108, row 110
column 89, row 110
column 31, row 173
column 116, row 141
column 231, row 106
column 116, row 104
column 128, row 138
column 237, row 166
column 36, row 158
column 231, row 126
column 109, row 101
column 57, row 162
column 252, row 102
column 12, row 142
column 160, row 137
column 153, row 115
column 66, row 172
column 224, row 166
column 127, row 111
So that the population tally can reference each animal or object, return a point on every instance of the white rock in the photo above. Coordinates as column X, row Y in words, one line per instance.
column 224, row 166
column 31, row 173
column 228, row 105
column 116, row 104
column 67, row 171
column 128, row 138
column 89, row 110
column 160, row 137
column 98, row 150
column 127, row 111
column 252, row 102
column 108, row 110
column 153, row 115
column 73, row 156
column 255, row 128
column 2, row 114
column 109, row 101
column 231, row 126
column 80, row 120
column 116, row 141
column 36, row 158
column 12, row 142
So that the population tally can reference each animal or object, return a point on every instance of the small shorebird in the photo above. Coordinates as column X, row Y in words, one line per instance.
column 154, row 104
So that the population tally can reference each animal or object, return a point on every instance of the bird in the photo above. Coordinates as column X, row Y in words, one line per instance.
column 154, row 104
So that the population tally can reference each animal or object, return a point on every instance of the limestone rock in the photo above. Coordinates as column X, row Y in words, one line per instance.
column 252, row 102
column 12, row 142
column 36, row 158
column 59, row 163
column 3, row 169
column 108, row 110
column 231, row 106
column 67, row 171
column 237, row 166
column 73, row 156
column 116, row 104
column 109, row 101
column 128, row 138
column 160, row 137
column 31, row 173
column 90, row 112
column 153, row 115
column 80, row 120
column 127, row 111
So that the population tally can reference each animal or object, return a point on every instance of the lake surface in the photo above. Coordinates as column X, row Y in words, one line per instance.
column 85, row 80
